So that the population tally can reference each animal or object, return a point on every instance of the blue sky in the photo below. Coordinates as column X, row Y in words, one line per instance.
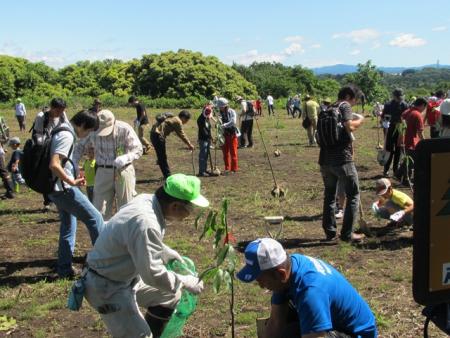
column 310, row 33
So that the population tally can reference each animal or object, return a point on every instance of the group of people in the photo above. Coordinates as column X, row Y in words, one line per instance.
column 126, row 269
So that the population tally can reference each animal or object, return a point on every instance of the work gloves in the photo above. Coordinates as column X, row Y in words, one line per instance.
column 121, row 161
column 168, row 254
column 191, row 283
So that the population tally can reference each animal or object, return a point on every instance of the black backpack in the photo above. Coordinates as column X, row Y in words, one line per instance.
column 250, row 109
column 331, row 131
column 35, row 161
column 160, row 118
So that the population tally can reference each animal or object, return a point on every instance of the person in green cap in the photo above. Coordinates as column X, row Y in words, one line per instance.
column 126, row 268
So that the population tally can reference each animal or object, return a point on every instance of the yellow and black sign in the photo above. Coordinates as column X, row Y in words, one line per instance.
column 431, row 256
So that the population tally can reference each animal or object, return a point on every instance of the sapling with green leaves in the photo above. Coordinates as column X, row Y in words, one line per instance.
column 222, row 272
column 401, row 131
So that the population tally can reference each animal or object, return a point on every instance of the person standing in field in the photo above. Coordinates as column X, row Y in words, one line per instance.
column 230, row 148
column 6, row 178
column 141, row 122
column 296, row 106
column 392, row 113
column 336, row 163
column 258, row 106
column 310, row 112
column 204, row 140
column 270, row 104
column 45, row 121
column 289, row 106
column 432, row 113
column 443, row 123
column 116, row 147
column 246, row 118
column 164, row 126
column 72, row 204
column 96, row 105
column 21, row 113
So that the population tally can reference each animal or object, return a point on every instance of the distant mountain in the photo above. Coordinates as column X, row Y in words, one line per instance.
column 344, row 69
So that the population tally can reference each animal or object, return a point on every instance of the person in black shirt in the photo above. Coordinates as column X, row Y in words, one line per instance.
column 204, row 140
column 336, row 164
column 392, row 113
column 141, row 122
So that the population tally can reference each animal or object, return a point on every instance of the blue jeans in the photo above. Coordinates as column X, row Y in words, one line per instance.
column 349, row 176
column 203, row 156
column 73, row 204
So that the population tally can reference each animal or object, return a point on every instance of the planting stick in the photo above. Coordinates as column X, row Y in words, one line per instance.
column 193, row 163
column 265, row 149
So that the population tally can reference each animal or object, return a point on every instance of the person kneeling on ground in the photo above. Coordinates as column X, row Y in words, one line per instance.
column 393, row 204
column 126, row 267
column 309, row 297
column 68, row 198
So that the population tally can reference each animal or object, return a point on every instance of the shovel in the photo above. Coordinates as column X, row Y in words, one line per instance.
column 277, row 191
column 363, row 226
column 277, row 151
column 193, row 162
column 379, row 146
column 214, row 170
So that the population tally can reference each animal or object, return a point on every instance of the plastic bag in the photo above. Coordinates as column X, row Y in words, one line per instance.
column 76, row 295
column 188, row 301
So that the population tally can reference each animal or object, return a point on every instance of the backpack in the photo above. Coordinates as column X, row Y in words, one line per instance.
column 331, row 132
column 250, row 109
column 35, row 161
column 160, row 118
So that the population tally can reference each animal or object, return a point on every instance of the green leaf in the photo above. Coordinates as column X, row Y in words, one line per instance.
column 219, row 234
column 218, row 280
column 227, row 279
column 197, row 219
column 207, row 225
column 222, row 254
column 208, row 273
column 7, row 324
column 231, row 259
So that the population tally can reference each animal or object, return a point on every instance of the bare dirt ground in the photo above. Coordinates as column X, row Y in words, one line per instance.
column 380, row 268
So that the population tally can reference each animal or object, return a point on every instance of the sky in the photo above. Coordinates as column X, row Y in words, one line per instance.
column 310, row 33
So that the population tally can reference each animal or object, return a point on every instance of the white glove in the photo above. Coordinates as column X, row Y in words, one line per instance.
column 375, row 208
column 136, row 123
column 397, row 216
column 191, row 283
column 168, row 254
column 120, row 161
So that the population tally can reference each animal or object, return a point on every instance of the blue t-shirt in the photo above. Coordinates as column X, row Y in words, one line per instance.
column 325, row 300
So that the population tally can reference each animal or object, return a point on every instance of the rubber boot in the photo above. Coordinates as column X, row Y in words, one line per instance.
column 157, row 318
column 9, row 186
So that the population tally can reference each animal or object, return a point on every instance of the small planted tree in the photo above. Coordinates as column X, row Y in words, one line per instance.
column 408, row 160
column 222, row 271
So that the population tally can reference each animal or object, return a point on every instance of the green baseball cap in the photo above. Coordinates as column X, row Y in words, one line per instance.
column 185, row 188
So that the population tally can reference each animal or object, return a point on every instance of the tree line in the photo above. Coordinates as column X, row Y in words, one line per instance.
column 188, row 79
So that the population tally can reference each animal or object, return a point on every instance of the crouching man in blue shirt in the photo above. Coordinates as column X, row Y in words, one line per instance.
column 309, row 297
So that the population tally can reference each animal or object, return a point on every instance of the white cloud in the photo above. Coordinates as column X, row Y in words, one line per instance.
column 439, row 28
column 255, row 56
column 315, row 46
column 294, row 48
column 355, row 52
column 358, row 36
column 294, row 38
column 407, row 41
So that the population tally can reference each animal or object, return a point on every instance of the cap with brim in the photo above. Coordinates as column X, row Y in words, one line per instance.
column 187, row 188
column 260, row 255
column 382, row 186
column 222, row 102
column 14, row 140
column 106, row 122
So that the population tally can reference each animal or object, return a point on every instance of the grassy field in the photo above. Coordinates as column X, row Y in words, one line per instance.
column 380, row 268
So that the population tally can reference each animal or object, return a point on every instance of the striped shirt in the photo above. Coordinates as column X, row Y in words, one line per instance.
column 107, row 148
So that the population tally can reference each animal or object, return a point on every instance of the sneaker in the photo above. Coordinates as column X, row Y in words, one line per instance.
column 205, row 174
column 9, row 194
column 331, row 238
column 355, row 238
column 339, row 214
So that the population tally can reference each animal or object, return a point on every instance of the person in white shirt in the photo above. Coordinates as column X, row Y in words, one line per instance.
column 126, row 268
column 246, row 118
column 21, row 113
column 270, row 104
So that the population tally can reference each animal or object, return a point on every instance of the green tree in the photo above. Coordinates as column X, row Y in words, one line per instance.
column 368, row 79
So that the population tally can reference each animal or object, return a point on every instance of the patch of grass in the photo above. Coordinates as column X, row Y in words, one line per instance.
column 37, row 242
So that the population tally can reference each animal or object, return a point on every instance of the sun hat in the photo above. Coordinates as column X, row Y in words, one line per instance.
column 382, row 185
column 18, row 100
column 187, row 188
column 14, row 141
column 260, row 255
column 222, row 102
column 327, row 100
column 445, row 107
column 106, row 122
